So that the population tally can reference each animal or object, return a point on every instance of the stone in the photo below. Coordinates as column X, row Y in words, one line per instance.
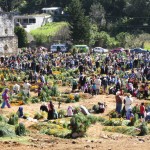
column 73, row 142
column 142, row 140
column 8, row 40
column 87, row 146
column 75, row 135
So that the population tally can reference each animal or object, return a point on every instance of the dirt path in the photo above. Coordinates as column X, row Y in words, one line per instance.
column 95, row 139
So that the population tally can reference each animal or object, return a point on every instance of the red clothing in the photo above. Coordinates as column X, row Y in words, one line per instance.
column 142, row 109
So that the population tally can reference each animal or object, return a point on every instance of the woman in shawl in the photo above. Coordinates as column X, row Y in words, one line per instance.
column 50, row 111
column 5, row 98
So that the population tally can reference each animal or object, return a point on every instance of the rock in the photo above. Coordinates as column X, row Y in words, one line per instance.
column 75, row 135
column 92, row 141
column 7, row 142
column 73, row 142
column 142, row 140
column 87, row 146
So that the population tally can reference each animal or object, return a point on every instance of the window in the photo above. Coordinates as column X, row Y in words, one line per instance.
column 32, row 20
column 25, row 20
column 6, row 31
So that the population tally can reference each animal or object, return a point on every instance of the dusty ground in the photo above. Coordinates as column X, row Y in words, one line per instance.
column 95, row 139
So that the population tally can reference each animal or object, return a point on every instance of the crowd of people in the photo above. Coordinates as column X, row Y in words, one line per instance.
column 108, row 73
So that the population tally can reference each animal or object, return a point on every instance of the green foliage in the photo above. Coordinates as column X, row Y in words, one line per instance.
column 96, row 108
column 112, row 122
column 144, row 129
column 79, row 23
column 133, row 120
column 38, row 116
column 135, row 109
column 13, row 120
column 6, row 130
column 54, row 91
column 122, row 129
column 51, row 129
column 20, row 129
column 34, row 100
column 105, row 40
column 77, row 98
column 125, row 39
column 113, row 114
column 46, row 33
column 22, row 36
column 79, row 123
column 61, row 114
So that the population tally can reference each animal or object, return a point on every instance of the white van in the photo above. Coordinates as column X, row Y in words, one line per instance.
column 58, row 47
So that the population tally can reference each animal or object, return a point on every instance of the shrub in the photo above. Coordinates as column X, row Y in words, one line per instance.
column 61, row 114
column 6, row 130
column 13, row 120
column 144, row 129
column 114, row 114
column 133, row 120
column 20, row 129
column 112, row 123
column 68, row 100
column 35, row 100
column 135, row 109
column 38, row 116
column 79, row 123
column 77, row 98
column 96, row 108
column 54, row 91
column 92, row 119
column 22, row 36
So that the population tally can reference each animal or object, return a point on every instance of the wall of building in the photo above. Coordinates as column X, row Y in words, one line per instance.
column 8, row 40
column 40, row 21
column 8, row 45
column 6, row 25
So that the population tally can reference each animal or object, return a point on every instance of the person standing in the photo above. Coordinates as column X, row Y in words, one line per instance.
column 50, row 111
column 118, row 102
column 128, row 102
column 26, row 87
column 5, row 98
column 142, row 110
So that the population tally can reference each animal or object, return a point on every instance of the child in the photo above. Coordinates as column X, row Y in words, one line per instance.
column 142, row 110
column 93, row 89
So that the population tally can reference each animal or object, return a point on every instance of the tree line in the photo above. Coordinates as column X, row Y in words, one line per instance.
column 108, row 23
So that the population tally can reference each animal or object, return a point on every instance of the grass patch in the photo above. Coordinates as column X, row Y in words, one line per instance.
column 43, row 34
column 57, row 129
column 147, row 45
column 123, row 130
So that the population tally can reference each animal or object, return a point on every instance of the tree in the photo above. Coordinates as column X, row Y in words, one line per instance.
column 93, row 34
column 125, row 39
column 97, row 14
column 9, row 5
column 22, row 36
column 79, row 23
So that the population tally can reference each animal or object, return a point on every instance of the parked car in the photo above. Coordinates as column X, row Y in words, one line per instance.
column 100, row 50
column 117, row 50
column 58, row 48
column 138, row 50
column 82, row 48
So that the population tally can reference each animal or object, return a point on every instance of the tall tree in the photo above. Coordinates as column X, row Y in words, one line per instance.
column 79, row 23
column 22, row 36
column 97, row 14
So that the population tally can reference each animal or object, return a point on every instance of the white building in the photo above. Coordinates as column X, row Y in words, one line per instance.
column 31, row 22
column 52, row 10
